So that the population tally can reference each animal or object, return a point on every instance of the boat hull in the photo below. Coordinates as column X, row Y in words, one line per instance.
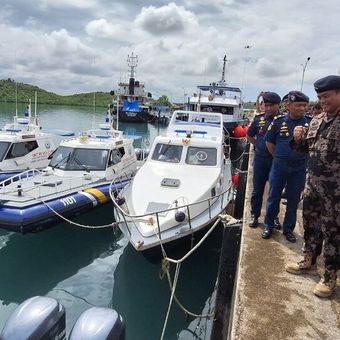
column 174, row 236
column 37, row 217
column 138, row 117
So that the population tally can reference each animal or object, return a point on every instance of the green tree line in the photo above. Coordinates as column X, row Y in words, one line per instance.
column 9, row 88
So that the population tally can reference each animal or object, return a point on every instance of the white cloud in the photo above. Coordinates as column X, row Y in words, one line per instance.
column 101, row 28
column 82, row 45
column 169, row 19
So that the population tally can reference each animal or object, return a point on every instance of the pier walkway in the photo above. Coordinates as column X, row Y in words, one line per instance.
column 271, row 303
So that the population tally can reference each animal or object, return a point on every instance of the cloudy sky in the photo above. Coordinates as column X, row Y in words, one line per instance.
column 72, row 46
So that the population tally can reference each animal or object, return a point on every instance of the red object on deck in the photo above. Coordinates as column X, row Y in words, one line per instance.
column 234, row 180
column 239, row 132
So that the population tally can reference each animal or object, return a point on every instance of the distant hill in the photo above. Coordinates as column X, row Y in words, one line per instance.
column 26, row 92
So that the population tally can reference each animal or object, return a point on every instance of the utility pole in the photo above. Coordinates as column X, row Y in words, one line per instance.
column 303, row 72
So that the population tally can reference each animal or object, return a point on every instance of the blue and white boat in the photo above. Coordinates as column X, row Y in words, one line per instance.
column 23, row 145
column 76, row 179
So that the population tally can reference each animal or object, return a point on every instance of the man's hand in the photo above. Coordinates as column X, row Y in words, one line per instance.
column 298, row 133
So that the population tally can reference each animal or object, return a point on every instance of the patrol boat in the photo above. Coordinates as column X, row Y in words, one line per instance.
column 132, row 103
column 182, row 187
column 76, row 179
column 219, row 97
column 23, row 145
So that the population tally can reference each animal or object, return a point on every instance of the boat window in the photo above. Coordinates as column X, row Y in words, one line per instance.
column 66, row 158
column 167, row 153
column 21, row 149
column 60, row 157
column 3, row 149
column 227, row 110
column 121, row 151
column 201, row 156
column 115, row 157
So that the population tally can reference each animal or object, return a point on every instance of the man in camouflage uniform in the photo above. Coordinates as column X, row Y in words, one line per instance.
column 321, row 204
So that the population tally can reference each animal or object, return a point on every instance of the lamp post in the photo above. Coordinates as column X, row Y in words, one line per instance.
column 303, row 72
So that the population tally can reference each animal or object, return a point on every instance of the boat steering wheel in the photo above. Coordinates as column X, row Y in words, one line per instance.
column 201, row 156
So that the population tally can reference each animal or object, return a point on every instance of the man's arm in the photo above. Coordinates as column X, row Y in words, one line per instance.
column 251, row 139
column 271, row 148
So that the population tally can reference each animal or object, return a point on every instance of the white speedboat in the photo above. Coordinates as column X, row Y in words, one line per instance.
column 182, row 187
column 23, row 145
column 77, row 178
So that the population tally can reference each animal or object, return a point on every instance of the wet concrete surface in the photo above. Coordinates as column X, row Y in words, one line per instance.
column 271, row 303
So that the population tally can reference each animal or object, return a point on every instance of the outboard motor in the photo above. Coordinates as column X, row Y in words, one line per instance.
column 98, row 324
column 36, row 318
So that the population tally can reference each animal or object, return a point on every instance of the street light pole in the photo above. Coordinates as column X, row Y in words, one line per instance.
column 303, row 72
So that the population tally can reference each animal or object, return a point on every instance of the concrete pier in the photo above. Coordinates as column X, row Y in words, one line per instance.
column 270, row 303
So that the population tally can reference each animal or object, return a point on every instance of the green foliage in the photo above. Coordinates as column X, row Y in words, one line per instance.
column 163, row 100
column 249, row 105
column 26, row 92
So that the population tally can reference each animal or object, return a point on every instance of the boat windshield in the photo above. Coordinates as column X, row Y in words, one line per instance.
column 201, row 156
column 167, row 153
column 67, row 158
column 3, row 149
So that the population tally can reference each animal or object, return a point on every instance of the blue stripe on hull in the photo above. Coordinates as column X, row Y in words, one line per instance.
column 38, row 217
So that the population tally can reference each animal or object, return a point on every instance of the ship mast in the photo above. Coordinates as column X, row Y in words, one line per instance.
column 132, row 63
column 223, row 69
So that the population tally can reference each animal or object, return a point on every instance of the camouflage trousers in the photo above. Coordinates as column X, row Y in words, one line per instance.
column 321, row 221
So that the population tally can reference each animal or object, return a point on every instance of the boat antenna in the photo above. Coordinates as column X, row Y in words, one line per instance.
column 16, row 99
column 28, row 110
column 94, row 109
column 223, row 69
column 117, row 125
column 35, row 104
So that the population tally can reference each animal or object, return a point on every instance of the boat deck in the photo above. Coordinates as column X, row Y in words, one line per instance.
column 43, row 187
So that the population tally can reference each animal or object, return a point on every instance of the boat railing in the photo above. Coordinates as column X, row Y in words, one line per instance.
column 69, row 184
column 18, row 177
column 123, row 212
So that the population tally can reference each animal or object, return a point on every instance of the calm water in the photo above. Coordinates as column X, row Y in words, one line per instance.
column 83, row 268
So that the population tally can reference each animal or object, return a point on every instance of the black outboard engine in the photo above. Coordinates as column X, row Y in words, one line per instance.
column 98, row 324
column 36, row 318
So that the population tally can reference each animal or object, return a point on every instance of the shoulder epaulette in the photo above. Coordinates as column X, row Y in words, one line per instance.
column 279, row 116
column 320, row 115
column 258, row 114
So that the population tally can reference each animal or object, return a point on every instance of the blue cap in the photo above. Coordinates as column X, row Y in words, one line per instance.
column 297, row 96
column 285, row 97
column 327, row 83
column 271, row 98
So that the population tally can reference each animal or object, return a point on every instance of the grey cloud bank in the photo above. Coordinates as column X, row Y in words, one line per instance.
column 81, row 46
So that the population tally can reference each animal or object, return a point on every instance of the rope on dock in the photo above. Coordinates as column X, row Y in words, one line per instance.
column 112, row 224
column 227, row 221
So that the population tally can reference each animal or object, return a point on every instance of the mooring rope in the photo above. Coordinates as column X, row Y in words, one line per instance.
column 227, row 220
column 112, row 224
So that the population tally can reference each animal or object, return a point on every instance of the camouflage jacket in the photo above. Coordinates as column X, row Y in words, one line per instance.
column 322, row 142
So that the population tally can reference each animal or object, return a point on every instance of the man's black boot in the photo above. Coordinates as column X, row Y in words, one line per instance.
column 253, row 223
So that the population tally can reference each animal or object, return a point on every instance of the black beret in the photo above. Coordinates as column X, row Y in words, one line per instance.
column 297, row 96
column 327, row 83
column 271, row 98
column 285, row 97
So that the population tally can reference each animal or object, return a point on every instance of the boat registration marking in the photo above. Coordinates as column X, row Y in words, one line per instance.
column 68, row 201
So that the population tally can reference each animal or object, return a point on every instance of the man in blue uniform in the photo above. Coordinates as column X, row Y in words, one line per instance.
column 262, row 159
column 289, row 166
